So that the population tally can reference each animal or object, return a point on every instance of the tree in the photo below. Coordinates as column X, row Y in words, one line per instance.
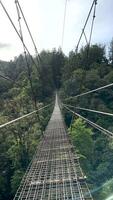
column 57, row 63
column 82, row 140
column 111, row 52
column 15, row 180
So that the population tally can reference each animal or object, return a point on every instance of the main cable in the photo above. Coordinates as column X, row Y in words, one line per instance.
column 91, row 32
column 35, row 47
column 85, row 25
column 27, row 64
column 17, row 33
column 28, row 67
column 92, row 25
column 64, row 21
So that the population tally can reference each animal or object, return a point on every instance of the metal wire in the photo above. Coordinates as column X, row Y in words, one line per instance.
column 64, row 21
column 91, row 32
column 17, row 33
column 26, row 59
column 85, row 25
column 35, row 47
column 6, row 78
column 85, row 38
column 91, row 91
column 92, row 25
column 90, row 110
column 22, row 117
column 96, row 126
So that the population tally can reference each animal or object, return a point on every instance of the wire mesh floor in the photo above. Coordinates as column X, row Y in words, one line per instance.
column 54, row 173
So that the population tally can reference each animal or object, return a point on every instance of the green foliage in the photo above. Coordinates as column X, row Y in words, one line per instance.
column 96, row 157
column 73, row 75
column 111, row 52
column 84, row 71
column 57, row 62
column 82, row 139
column 15, row 180
column 19, row 141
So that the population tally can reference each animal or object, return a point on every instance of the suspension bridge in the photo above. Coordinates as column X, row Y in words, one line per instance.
column 54, row 172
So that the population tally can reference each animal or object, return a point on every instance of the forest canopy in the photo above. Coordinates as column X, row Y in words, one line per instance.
column 69, row 75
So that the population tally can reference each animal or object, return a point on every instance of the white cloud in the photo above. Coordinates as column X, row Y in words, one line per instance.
column 4, row 45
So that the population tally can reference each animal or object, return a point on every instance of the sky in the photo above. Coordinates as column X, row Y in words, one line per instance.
column 45, row 19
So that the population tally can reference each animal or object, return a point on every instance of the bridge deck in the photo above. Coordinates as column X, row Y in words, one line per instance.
column 54, row 173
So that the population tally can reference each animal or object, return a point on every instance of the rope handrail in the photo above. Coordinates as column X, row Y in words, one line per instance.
column 22, row 117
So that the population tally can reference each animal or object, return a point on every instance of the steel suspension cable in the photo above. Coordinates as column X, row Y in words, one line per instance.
column 91, row 91
column 6, row 78
column 85, row 25
column 17, row 32
column 36, row 51
column 64, row 22
column 20, row 37
column 27, row 63
column 85, row 38
column 28, row 66
column 91, row 31
column 96, row 126
column 22, row 117
column 92, row 25
column 90, row 110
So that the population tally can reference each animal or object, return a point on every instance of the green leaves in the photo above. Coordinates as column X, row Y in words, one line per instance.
column 82, row 138
column 15, row 180
column 82, row 72
column 19, row 141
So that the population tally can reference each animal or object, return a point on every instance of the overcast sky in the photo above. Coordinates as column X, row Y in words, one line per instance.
column 45, row 19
